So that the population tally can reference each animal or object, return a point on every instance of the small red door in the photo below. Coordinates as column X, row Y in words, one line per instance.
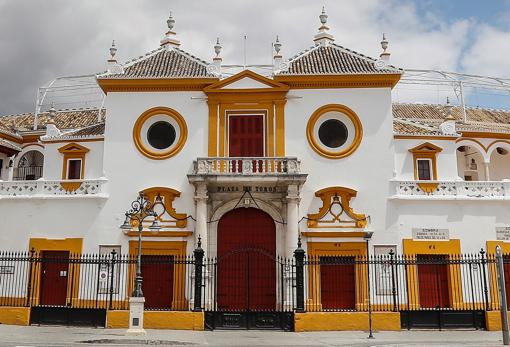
column 338, row 283
column 54, row 277
column 158, row 279
column 246, row 261
column 433, row 281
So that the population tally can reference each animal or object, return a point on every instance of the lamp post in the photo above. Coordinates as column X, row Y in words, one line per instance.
column 367, row 236
column 141, row 210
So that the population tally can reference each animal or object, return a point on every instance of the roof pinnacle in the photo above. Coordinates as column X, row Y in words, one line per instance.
column 277, row 45
column 385, row 55
column 217, row 48
column 113, row 51
column 323, row 37
column 169, row 40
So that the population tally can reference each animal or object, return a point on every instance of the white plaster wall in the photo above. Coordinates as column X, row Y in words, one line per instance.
column 446, row 160
column 56, row 218
column 499, row 166
column 368, row 170
column 473, row 222
column 53, row 160
column 128, row 171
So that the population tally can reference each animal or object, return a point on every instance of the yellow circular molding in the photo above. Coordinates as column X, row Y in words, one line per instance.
column 174, row 148
column 315, row 142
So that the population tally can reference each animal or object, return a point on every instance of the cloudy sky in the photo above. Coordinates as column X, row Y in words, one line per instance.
column 40, row 40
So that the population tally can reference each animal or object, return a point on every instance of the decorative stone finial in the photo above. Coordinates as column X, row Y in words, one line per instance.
column 323, row 17
column 169, row 40
column 51, row 128
column 448, row 127
column 277, row 46
column 385, row 55
column 113, row 51
column 170, row 22
column 217, row 48
column 323, row 37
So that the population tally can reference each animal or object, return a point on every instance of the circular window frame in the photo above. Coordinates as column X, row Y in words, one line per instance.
column 316, row 143
column 145, row 148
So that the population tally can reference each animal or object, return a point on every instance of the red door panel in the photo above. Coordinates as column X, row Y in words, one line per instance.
column 158, row 279
column 433, row 281
column 506, row 267
column 338, row 283
column 246, row 264
column 246, row 139
column 54, row 277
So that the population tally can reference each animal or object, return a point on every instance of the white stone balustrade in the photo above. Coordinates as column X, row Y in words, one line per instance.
column 50, row 188
column 452, row 190
column 246, row 166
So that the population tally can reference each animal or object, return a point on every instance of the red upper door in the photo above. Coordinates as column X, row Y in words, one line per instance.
column 54, row 275
column 246, row 136
column 433, row 281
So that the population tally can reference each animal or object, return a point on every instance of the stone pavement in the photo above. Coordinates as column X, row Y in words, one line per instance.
column 63, row 336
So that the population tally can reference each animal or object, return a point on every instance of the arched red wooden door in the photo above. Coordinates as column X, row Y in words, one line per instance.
column 246, row 261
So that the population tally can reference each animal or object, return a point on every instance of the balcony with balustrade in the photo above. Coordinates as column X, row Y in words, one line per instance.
column 247, row 169
column 451, row 190
column 93, row 188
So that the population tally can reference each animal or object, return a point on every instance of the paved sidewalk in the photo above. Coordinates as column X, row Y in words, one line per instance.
column 62, row 336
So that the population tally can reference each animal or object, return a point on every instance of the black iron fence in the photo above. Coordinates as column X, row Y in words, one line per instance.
column 252, row 280
column 27, row 173
column 93, row 281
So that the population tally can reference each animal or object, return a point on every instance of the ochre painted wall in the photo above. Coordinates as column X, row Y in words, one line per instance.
column 15, row 315
column 158, row 320
column 347, row 321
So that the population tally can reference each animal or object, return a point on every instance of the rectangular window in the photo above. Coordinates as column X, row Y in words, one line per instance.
column 74, row 169
column 105, row 270
column 424, row 169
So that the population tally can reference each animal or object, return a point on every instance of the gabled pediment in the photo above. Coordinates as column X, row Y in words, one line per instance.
column 426, row 147
column 73, row 148
column 247, row 81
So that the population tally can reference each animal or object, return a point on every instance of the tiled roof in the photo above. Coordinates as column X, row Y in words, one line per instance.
column 64, row 119
column 334, row 59
column 92, row 130
column 406, row 127
column 163, row 63
column 10, row 145
column 477, row 119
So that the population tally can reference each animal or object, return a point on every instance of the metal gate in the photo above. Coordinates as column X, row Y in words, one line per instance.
column 249, row 289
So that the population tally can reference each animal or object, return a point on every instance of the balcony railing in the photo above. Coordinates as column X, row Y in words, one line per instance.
column 51, row 188
column 452, row 190
column 246, row 166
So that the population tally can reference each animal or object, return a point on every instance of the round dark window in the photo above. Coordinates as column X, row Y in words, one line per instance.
column 161, row 135
column 333, row 133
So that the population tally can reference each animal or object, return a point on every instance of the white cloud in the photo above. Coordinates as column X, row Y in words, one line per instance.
column 41, row 40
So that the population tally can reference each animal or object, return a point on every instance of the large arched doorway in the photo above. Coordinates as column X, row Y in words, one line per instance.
column 246, row 261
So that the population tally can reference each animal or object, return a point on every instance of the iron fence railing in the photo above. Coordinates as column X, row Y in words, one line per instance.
column 253, row 280
column 27, row 173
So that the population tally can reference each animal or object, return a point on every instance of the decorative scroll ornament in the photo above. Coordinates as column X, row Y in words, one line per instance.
column 336, row 211
column 167, row 216
column 379, row 64
column 213, row 69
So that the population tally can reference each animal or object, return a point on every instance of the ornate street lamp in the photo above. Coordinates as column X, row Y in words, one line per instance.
column 141, row 209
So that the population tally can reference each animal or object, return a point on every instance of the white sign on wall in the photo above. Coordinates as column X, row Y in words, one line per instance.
column 503, row 233
column 384, row 282
column 431, row 234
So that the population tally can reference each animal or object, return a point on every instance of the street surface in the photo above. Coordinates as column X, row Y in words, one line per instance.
column 63, row 336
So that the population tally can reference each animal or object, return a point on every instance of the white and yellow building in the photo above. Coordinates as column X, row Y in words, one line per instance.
column 420, row 179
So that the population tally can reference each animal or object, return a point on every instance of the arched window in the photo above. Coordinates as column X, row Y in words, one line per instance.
column 30, row 166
